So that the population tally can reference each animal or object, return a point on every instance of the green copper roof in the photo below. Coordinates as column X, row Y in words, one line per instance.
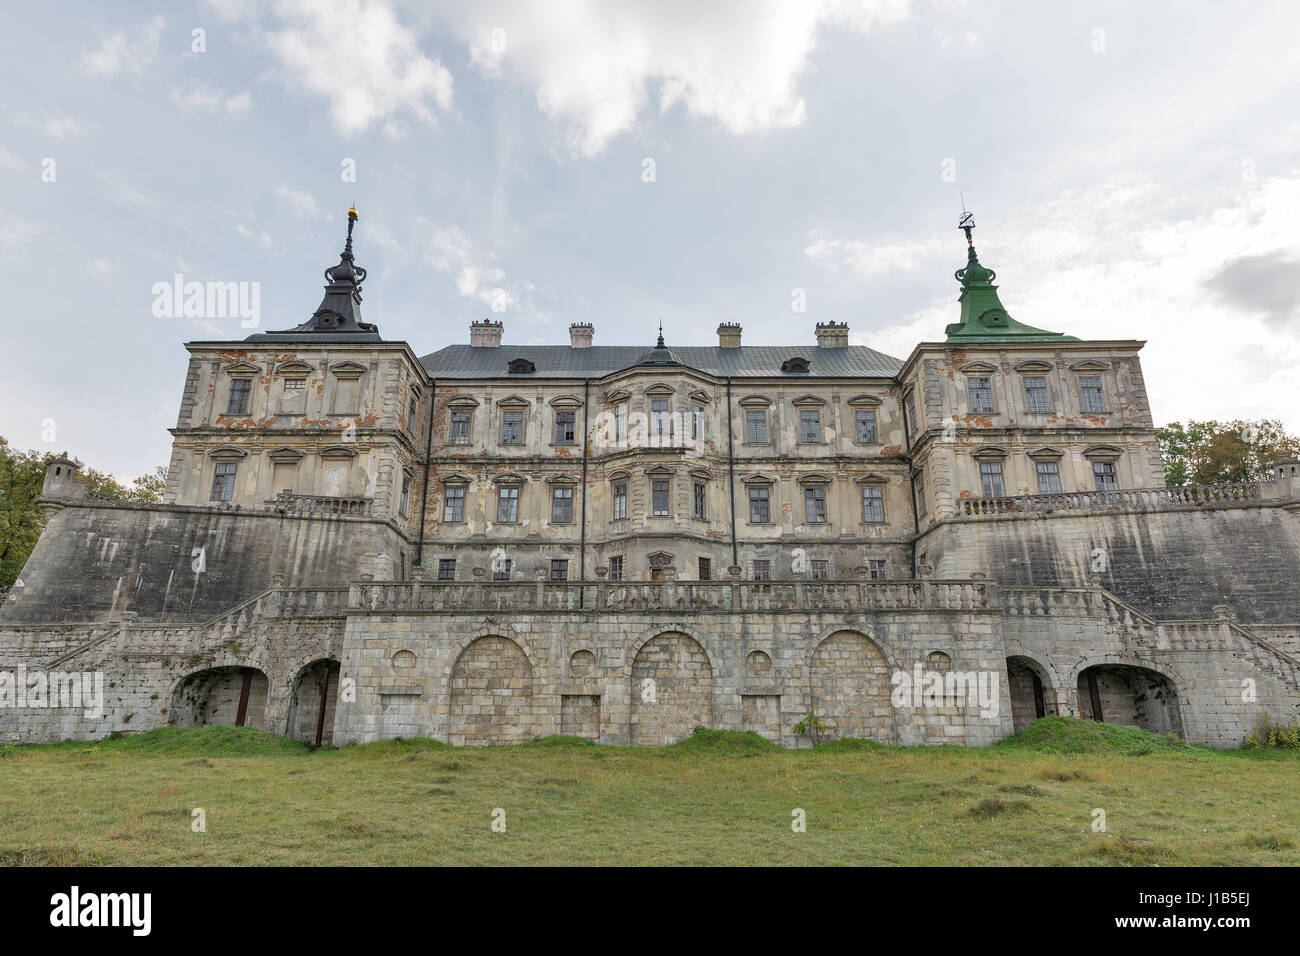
column 983, row 317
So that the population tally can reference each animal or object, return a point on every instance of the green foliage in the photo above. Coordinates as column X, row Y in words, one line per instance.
column 1207, row 453
column 812, row 727
column 1270, row 736
column 22, row 473
column 724, row 742
column 1071, row 735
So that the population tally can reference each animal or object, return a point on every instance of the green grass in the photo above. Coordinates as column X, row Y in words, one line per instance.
column 717, row 797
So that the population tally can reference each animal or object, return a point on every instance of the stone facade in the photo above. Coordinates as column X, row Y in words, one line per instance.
column 493, row 542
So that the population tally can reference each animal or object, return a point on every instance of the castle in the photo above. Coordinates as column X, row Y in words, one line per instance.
column 494, row 542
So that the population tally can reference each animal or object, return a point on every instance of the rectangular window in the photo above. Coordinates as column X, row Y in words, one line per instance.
column 918, row 488
column 561, row 505
column 512, row 428
column 762, row 570
column 1093, row 400
column 697, row 422
column 616, row 568
column 620, row 502
column 446, row 569
column 406, row 497
column 293, row 400
column 821, row 570
column 866, row 426
column 565, row 428
column 410, row 415
column 223, row 481
column 876, row 569
column 701, row 498
column 559, row 569
column 1104, row 474
column 240, row 390
column 810, row 424
column 981, row 395
column 508, row 505
column 910, row 406
column 706, row 569
column 660, row 428
column 873, row 504
column 755, row 426
column 460, row 426
column 760, row 504
column 991, row 485
column 620, row 422
column 501, row 569
column 1049, row 477
column 659, row 497
column 1036, row 394
column 453, row 508
column 814, row 505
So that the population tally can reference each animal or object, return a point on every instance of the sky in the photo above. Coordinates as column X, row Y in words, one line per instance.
column 1133, row 169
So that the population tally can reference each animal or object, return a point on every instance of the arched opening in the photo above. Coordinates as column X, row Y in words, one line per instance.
column 1131, row 696
column 851, row 688
column 491, row 695
column 221, row 696
column 311, row 708
column 672, row 690
column 1031, row 692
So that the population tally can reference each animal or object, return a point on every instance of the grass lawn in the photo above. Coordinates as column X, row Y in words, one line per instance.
column 716, row 798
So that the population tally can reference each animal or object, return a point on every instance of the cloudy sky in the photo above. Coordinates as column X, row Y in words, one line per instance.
column 1134, row 169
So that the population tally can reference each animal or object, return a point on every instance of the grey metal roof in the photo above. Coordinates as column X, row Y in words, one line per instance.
column 563, row 361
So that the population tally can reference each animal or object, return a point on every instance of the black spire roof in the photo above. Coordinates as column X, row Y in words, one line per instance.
column 340, row 310
column 660, row 354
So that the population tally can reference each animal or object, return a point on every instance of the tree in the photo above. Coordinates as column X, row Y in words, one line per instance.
column 1208, row 453
column 22, row 474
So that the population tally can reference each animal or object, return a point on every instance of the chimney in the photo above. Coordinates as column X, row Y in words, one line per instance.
column 580, row 334
column 729, row 335
column 832, row 335
column 485, row 334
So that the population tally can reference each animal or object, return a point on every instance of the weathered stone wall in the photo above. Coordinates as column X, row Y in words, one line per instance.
column 1169, row 564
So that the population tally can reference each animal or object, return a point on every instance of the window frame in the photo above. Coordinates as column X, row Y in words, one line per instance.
column 619, row 496
column 446, row 569
column 1029, row 394
column 866, row 414
column 667, row 492
column 750, row 419
column 760, row 494
column 1085, row 390
column 994, row 476
column 984, row 392
column 1055, row 473
column 508, row 494
column 226, row 478
column 876, row 494
column 815, row 495
column 241, row 386
column 811, row 416
column 564, row 417
column 562, row 493
column 453, row 493
column 700, row 496
column 453, row 423
column 506, row 414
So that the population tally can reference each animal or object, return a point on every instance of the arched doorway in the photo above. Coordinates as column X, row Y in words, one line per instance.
column 850, row 688
column 311, row 707
column 1131, row 696
column 1032, row 695
column 220, row 696
column 672, row 690
column 491, row 695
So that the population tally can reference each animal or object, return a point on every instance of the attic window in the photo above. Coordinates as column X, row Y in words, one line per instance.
column 795, row 365
column 521, row 366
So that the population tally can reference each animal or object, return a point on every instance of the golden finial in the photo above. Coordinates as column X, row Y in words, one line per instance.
column 352, row 213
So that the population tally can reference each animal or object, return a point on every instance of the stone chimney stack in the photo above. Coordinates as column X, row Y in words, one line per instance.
column 580, row 335
column 832, row 335
column 485, row 334
column 729, row 335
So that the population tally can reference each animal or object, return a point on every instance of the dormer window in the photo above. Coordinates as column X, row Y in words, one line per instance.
column 521, row 366
column 795, row 365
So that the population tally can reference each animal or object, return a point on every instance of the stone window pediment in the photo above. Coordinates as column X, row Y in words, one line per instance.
column 755, row 401
column 338, row 452
column 871, row 479
column 227, row 453
column 565, row 401
column 757, row 480
column 618, row 476
column 701, row 474
column 618, row 396
column 978, row 368
column 295, row 369
column 865, row 401
column 456, row 479
column 1046, row 453
column 1089, row 365
column 701, row 397
column 510, row 478
column 461, row 401
column 808, row 401
column 285, row 454
column 814, row 479
column 242, row 369
column 513, row 401
column 1102, row 453
column 660, row 390
column 1033, row 367
column 990, row 453
column 561, row 480
column 659, row 559
column 662, row 470
column 348, row 370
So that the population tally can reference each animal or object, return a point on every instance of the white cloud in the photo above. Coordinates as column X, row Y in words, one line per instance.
column 209, row 99
column 302, row 204
column 355, row 54
column 736, row 62
column 450, row 250
column 259, row 236
column 54, row 125
column 870, row 260
column 118, row 53
column 9, row 161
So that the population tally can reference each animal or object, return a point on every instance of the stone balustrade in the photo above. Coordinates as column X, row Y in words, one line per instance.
column 320, row 504
column 1126, row 499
